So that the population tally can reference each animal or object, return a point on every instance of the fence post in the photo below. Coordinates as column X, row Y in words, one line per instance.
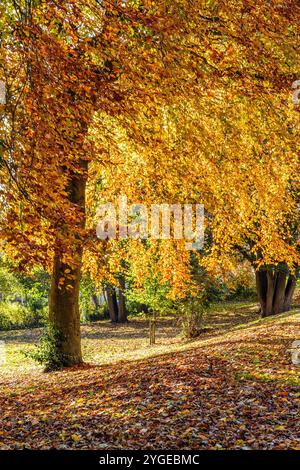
column 152, row 331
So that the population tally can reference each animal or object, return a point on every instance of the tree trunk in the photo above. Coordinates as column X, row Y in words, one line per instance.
column 112, row 303
column 96, row 302
column 270, row 292
column 289, row 292
column 274, row 290
column 279, row 295
column 261, row 288
column 64, row 312
column 64, row 293
column 122, row 301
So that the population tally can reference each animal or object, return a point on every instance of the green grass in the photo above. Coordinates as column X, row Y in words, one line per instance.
column 236, row 380
column 105, row 343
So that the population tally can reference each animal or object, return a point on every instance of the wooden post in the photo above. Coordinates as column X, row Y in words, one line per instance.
column 152, row 331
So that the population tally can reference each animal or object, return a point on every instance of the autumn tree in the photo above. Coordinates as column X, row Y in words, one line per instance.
column 62, row 63
column 198, row 92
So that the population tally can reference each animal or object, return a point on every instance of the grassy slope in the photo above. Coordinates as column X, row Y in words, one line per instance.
column 235, row 389
column 104, row 343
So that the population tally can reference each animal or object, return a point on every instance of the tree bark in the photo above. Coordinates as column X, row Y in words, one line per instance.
column 289, row 292
column 64, row 312
column 274, row 290
column 112, row 303
column 270, row 292
column 261, row 288
column 96, row 302
column 122, row 301
column 279, row 295
column 64, row 293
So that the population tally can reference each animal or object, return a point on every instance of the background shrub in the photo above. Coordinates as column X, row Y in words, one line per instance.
column 17, row 316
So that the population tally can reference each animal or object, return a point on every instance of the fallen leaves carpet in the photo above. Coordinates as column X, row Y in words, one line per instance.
column 239, row 390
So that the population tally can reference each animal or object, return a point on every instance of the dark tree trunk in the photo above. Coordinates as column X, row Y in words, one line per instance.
column 64, row 294
column 112, row 303
column 289, row 292
column 144, row 308
column 274, row 290
column 122, row 301
column 279, row 295
column 261, row 288
column 270, row 292
column 96, row 301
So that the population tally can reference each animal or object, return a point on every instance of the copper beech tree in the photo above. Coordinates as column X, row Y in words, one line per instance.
column 232, row 146
column 172, row 100
column 62, row 62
